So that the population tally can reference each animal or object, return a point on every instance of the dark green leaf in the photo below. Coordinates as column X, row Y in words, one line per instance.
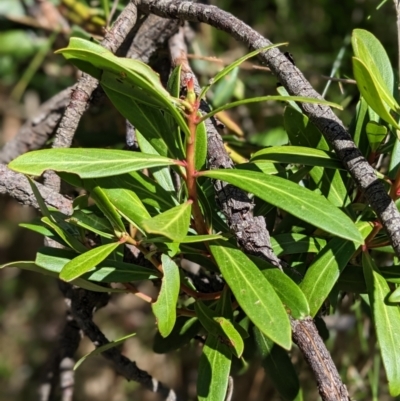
column 278, row 366
column 90, row 221
column 376, row 133
column 386, row 320
column 288, row 244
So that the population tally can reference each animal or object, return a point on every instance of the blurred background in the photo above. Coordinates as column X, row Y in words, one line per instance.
column 31, row 307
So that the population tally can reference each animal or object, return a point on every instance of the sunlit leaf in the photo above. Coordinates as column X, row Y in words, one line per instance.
column 253, row 292
column 86, row 261
column 87, row 163
column 297, row 200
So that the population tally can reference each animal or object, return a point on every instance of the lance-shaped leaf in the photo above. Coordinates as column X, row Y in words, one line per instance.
column 278, row 366
column 324, row 272
column 106, row 206
column 376, row 133
column 165, row 307
column 173, row 224
column 296, row 200
column 103, row 348
column 226, row 70
column 92, row 222
column 86, row 261
column 253, row 292
column 301, row 99
column 69, row 239
column 108, row 271
column 213, row 373
column 372, row 92
column 80, row 282
column 87, row 163
column 386, row 321
column 290, row 243
column 200, row 146
column 220, row 327
column 299, row 155
column 287, row 290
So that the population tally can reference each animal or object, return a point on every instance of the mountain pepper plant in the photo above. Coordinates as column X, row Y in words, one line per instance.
column 169, row 202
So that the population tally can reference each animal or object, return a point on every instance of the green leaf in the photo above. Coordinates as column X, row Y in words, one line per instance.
column 106, row 206
column 150, row 122
column 86, row 261
column 173, row 224
column 253, row 292
column 128, row 205
column 376, row 133
column 368, row 49
column 301, row 99
column 220, row 327
column 278, row 366
column 108, row 271
column 290, row 243
column 225, row 71
column 324, row 272
column 39, row 198
column 331, row 185
column 291, row 296
column 294, row 199
column 190, row 239
column 174, row 81
column 386, row 321
column 90, row 221
column 184, row 330
column 213, row 372
column 200, row 146
column 87, row 285
column 165, row 307
column 301, row 131
column 162, row 175
column 372, row 93
column 224, row 89
column 69, row 239
column 299, row 155
column 87, row 163
column 103, row 348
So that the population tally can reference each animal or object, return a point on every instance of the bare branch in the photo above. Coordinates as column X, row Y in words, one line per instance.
column 17, row 186
column 82, row 305
column 296, row 84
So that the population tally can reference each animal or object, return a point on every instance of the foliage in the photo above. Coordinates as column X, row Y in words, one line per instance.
column 319, row 219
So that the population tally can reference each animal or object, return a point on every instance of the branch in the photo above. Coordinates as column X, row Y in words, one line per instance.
column 252, row 234
column 17, row 186
column 83, row 303
column 296, row 84
column 38, row 130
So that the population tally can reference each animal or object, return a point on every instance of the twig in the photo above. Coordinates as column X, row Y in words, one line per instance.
column 17, row 186
column 345, row 81
column 296, row 84
column 82, row 305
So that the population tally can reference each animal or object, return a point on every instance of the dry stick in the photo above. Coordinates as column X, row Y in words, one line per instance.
column 37, row 130
column 82, row 304
column 250, row 231
column 17, row 186
column 305, row 334
column 296, row 84
column 85, row 87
